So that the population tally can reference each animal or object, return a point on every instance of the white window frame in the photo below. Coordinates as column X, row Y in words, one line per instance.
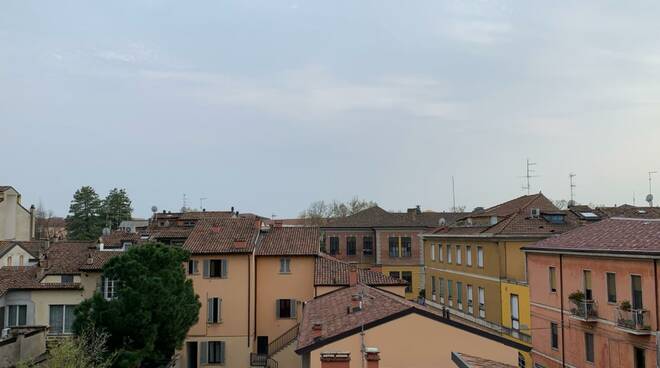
column 482, row 302
column 432, row 252
column 469, row 299
column 449, row 250
column 480, row 257
column 285, row 265
column 109, row 289
column 459, row 255
column 214, row 302
column 440, row 257
column 64, row 308
column 468, row 255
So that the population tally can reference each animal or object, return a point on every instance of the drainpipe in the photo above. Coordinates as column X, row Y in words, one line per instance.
column 561, row 307
column 657, row 323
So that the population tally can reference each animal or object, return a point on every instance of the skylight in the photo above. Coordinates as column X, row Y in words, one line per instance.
column 589, row 214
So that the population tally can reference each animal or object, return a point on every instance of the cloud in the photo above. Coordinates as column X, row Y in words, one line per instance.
column 131, row 54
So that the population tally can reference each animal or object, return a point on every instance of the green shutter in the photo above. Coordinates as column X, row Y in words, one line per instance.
column 207, row 268
column 204, row 352
column 293, row 309
column 209, row 310
column 277, row 308
column 224, row 269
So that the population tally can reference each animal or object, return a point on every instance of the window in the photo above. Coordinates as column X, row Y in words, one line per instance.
column 433, row 288
column 515, row 312
column 407, row 276
column 215, row 268
column 459, row 294
column 9, row 261
column 450, row 292
column 611, row 287
column 636, row 292
column 459, row 255
column 285, row 265
column 368, row 245
column 586, row 283
column 432, row 252
column 440, row 252
column 17, row 315
column 469, row 300
column 334, row 245
column 394, row 246
column 109, row 288
column 285, row 308
column 441, row 290
column 61, row 319
column 482, row 302
column 448, row 253
column 552, row 279
column 193, row 267
column 480, row 257
column 351, row 245
column 212, row 352
column 554, row 336
column 67, row 279
column 468, row 255
column 213, row 310
column 589, row 347
column 395, row 274
column 406, row 246
column 21, row 260
column 640, row 358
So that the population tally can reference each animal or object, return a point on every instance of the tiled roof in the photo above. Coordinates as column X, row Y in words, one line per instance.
column 170, row 232
column 330, row 271
column 67, row 257
column 629, row 211
column 33, row 247
column 223, row 235
column 378, row 217
column 469, row 361
column 26, row 278
column 96, row 259
column 290, row 241
column 515, row 205
column 117, row 238
column 616, row 235
column 4, row 188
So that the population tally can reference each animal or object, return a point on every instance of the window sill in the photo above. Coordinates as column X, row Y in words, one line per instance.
column 214, row 323
column 285, row 273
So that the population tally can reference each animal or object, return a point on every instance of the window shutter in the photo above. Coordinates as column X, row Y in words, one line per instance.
column 195, row 267
column 222, row 352
column 293, row 309
column 99, row 285
column 277, row 308
column 207, row 268
column 224, row 268
column 209, row 310
column 219, row 309
column 204, row 352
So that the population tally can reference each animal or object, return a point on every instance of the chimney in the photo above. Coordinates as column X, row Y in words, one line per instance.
column 352, row 275
column 90, row 259
column 356, row 303
column 317, row 331
column 372, row 356
column 32, row 222
column 43, row 261
column 278, row 223
column 335, row 359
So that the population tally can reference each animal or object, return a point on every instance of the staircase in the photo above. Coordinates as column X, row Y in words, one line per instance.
column 283, row 341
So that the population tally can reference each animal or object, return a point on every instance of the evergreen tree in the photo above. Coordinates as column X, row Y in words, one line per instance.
column 85, row 221
column 117, row 208
column 154, row 308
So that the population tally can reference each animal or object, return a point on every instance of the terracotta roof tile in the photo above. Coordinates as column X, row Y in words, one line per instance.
column 67, row 257
column 223, row 235
column 96, row 259
column 378, row 217
column 330, row 271
column 609, row 235
column 33, row 247
column 26, row 278
column 469, row 361
column 117, row 238
column 290, row 241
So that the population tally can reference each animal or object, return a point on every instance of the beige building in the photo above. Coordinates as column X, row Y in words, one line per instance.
column 16, row 221
column 20, row 253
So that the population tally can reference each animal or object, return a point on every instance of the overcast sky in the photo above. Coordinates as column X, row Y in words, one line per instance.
column 270, row 105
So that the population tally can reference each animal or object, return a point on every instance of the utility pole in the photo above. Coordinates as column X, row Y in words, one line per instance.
column 528, row 175
column 571, row 176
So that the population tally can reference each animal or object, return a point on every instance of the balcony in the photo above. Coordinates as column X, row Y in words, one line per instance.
column 633, row 321
column 584, row 310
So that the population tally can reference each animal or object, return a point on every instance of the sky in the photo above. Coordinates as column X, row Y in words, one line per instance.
column 270, row 105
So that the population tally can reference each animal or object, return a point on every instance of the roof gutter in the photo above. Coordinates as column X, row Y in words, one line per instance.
column 595, row 253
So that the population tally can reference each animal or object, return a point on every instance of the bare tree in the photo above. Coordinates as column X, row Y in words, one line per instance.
column 319, row 211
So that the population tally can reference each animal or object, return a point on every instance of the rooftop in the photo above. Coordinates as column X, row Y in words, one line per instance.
column 378, row 217
column 330, row 271
column 223, row 235
column 280, row 241
column 469, row 361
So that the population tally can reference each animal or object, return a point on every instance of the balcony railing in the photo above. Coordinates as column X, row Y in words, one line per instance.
column 635, row 321
column 517, row 334
column 584, row 310
column 262, row 360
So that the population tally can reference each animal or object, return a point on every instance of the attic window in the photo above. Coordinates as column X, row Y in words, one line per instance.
column 554, row 218
column 535, row 212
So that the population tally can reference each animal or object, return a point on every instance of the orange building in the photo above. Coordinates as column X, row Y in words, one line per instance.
column 594, row 295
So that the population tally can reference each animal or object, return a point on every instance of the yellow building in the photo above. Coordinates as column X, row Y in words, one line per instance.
column 475, row 267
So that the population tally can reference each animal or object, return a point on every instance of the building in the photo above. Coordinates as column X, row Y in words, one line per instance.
column 476, row 268
column 405, row 333
column 587, row 214
column 385, row 241
column 594, row 295
column 16, row 221
column 20, row 253
column 133, row 226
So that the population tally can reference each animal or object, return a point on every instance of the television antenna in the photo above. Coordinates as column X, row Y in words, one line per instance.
column 572, row 201
column 201, row 203
column 528, row 175
column 453, row 194
column 649, row 197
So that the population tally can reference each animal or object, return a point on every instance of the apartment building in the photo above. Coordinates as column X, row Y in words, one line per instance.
column 475, row 268
column 594, row 295
column 16, row 221
column 385, row 241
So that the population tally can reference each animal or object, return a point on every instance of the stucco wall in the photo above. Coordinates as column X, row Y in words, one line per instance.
column 273, row 285
column 414, row 341
column 417, row 275
column 14, row 219
column 15, row 254
column 287, row 358
column 42, row 300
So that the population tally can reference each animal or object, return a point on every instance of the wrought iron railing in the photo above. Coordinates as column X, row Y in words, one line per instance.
column 283, row 341
column 633, row 319
column 584, row 309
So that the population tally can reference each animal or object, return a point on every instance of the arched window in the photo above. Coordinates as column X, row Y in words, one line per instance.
column 20, row 260
column 9, row 261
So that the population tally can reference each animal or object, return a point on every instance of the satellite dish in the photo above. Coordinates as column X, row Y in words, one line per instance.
column 154, row 209
column 442, row 221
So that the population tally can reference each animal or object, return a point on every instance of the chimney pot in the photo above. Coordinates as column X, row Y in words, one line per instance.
column 372, row 356
column 335, row 360
column 352, row 275
column 317, row 331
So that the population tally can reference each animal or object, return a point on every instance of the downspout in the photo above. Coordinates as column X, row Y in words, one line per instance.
column 657, row 323
column 249, row 259
column 561, row 307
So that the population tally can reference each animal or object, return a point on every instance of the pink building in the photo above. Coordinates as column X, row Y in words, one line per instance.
column 594, row 295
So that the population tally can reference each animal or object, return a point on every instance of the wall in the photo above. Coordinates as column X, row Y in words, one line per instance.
column 22, row 348
column 14, row 219
column 414, row 341
column 42, row 300
column 287, row 357
column 273, row 285
column 515, row 260
column 16, row 253
column 359, row 234
column 417, row 275
column 19, row 298
column 383, row 236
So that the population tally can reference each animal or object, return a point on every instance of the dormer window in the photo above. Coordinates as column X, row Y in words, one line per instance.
column 555, row 218
column 536, row 212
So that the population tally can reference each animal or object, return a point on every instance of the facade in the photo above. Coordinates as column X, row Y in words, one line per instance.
column 385, row 241
column 475, row 267
column 20, row 253
column 404, row 333
column 594, row 295
column 16, row 221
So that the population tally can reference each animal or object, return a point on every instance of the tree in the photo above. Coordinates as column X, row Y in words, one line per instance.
column 87, row 350
column 319, row 211
column 117, row 208
column 85, row 221
column 154, row 308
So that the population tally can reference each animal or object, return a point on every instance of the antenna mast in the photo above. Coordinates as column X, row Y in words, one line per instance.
column 201, row 203
column 453, row 194
column 529, row 174
column 571, row 176
column 649, row 198
column 185, row 203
